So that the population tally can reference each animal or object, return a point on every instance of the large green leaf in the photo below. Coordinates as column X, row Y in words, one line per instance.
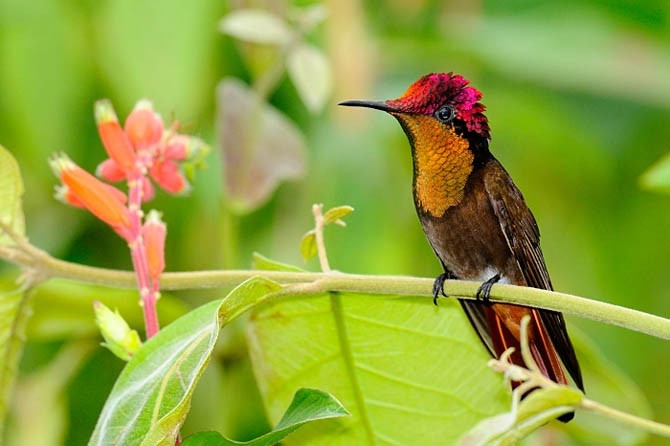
column 409, row 372
column 11, row 191
column 152, row 395
column 14, row 312
column 307, row 405
column 14, row 308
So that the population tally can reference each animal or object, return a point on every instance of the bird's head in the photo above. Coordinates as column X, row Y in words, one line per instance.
column 448, row 132
column 445, row 97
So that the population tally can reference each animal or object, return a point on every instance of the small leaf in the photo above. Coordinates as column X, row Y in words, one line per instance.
column 308, row 245
column 11, row 191
column 261, row 262
column 657, row 177
column 255, row 25
column 336, row 213
column 260, row 146
column 545, row 400
column 152, row 396
column 307, row 405
column 311, row 74
column 539, row 408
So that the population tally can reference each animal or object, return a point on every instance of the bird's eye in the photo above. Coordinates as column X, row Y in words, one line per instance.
column 445, row 113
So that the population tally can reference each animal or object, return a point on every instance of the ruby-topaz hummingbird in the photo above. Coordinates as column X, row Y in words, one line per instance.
column 476, row 219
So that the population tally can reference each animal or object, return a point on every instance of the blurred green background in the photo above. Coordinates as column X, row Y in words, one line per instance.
column 578, row 97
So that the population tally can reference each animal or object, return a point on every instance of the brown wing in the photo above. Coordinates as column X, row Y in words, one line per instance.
column 523, row 238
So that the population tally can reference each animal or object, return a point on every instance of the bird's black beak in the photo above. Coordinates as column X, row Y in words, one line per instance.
column 378, row 105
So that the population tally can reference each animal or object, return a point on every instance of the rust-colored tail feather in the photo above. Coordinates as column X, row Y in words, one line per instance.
column 540, row 345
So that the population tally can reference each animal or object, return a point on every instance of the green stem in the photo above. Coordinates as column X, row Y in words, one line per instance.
column 657, row 326
column 623, row 417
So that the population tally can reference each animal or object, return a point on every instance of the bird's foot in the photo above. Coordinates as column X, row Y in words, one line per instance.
column 438, row 285
column 484, row 291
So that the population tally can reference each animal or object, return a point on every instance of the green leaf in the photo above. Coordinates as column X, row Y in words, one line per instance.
column 259, row 145
column 15, row 309
column 257, row 26
column 259, row 261
column 311, row 74
column 657, row 177
column 307, row 405
column 152, row 395
column 409, row 372
column 11, row 191
column 539, row 408
column 308, row 245
column 336, row 213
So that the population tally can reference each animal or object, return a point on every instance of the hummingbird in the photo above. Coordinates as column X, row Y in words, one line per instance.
column 476, row 219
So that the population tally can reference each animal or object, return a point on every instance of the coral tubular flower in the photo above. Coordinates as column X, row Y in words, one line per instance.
column 153, row 234
column 114, row 139
column 102, row 200
column 144, row 127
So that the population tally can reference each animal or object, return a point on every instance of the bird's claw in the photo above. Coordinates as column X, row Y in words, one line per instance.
column 484, row 291
column 438, row 286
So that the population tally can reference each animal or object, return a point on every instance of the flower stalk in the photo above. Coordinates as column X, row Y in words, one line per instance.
column 140, row 150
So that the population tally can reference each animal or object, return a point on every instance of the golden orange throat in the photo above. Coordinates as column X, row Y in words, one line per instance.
column 442, row 163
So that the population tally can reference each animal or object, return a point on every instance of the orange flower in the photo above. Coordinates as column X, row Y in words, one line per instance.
column 82, row 189
column 114, row 139
column 144, row 127
column 153, row 234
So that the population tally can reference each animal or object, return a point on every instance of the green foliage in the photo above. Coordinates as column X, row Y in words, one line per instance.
column 168, row 367
column 576, row 113
column 541, row 407
column 11, row 193
column 393, row 361
column 13, row 315
column 307, row 405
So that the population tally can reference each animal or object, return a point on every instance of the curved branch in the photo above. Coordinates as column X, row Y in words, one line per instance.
column 355, row 283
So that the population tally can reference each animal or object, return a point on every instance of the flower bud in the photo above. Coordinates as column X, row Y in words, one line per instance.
column 144, row 127
column 154, row 232
column 116, row 142
column 120, row 339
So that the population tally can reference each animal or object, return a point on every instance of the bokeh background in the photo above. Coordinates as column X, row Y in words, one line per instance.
column 578, row 97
